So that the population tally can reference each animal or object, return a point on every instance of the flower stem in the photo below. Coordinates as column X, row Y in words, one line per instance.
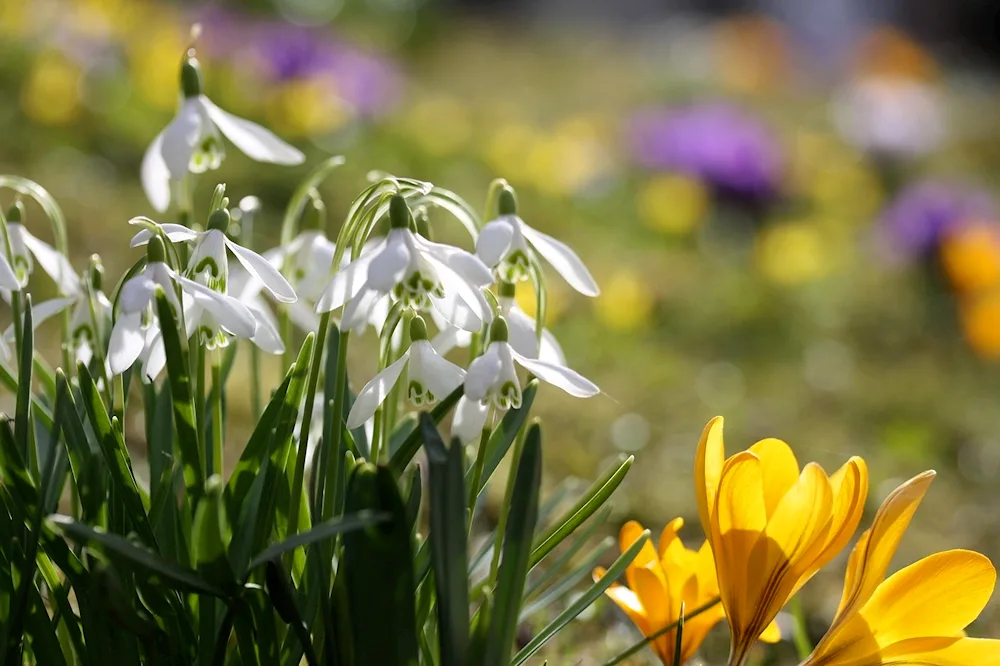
column 507, row 496
column 800, row 632
column 199, row 407
column 218, row 417
column 332, row 467
column 256, row 402
column 477, row 469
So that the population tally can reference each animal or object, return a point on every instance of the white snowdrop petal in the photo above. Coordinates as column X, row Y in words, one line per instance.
column 256, row 142
column 266, row 334
column 136, row 293
column 521, row 332
column 155, row 175
column 550, row 350
column 471, row 296
column 494, row 241
column 257, row 265
column 303, row 316
column 375, row 392
column 483, row 373
column 358, row 311
column 54, row 263
column 559, row 376
column 455, row 313
column 438, row 375
column 127, row 342
column 226, row 310
column 155, row 357
column 390, row 266
column 470, row 418
column 48, row 309
column 449, row 338
column 8, row 279
column 180, row 139
column 175, row 233
column 346, row 283
column 466, row 264
column 563, row 259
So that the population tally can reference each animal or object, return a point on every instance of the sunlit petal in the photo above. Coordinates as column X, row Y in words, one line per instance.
column 563, row 259
column 375, row 392
column 256, row 142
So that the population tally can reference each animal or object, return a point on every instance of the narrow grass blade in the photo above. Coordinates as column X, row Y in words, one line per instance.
column 409, row 447
column 322, row 531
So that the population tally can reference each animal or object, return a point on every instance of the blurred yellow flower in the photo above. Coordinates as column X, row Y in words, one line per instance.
column 980, row 317
column 672, row 203
column 659, row 581
column 771, row 526
column 51, row 93
column 888, row 52
column 555, row 303
column 507, row 146
column 154, row 61
column 439, row 125
column 971, row 258
column 306, row 107
column 919, row 614
column 569, row 158
column 625, row 303
column 794, row 253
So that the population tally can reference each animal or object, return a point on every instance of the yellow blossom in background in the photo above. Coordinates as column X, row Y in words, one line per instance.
column 51, row 92
column 919, row 614
column 154, row 61
column 306, row 107
column 888, row 52
column 98, row 18
column 14, row 14
column 626, row 302
column 659, row 581
column 794, row 253
column 507, row 147
column 971, row 258
column 566, row 160
column 439, row 125
column 771, row 526
column 673, row 203
column 752, row 54
column 555, row 303
column 980, row 316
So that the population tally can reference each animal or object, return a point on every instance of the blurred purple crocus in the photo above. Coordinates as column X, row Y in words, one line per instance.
column 727, row 148
column 924, row 213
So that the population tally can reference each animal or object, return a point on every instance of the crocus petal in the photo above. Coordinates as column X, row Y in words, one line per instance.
column 483, row 373
column 709, row 461
column 655, row 600
column 438, row 375
column 779, row 467
column 127, row 342
column 180, row 138
column 256, row 142
column 259, row 267
column 469, row 421
column 390, row 266
column 627, row 600
column 563, row 259
column 944, row 651
column 347, row 282
column 8, row 279
column 375, row 391
column 559, row 376
column 772, row 634
column 494, row 241
column 155, row 175
column 54, row 263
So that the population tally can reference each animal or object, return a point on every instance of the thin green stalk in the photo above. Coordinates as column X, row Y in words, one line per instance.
column 218, row 417
column 307, row 410
column 286, row 331
column 199, row 407
column 507, row 496
column 256, row 400
column 478, row 466
column 800, row 632
column 637, row 647
column 376, row 444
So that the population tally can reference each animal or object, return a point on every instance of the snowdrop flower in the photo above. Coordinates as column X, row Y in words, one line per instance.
column 24, row 247
column 246, row 289
column 419, row 273
column 209, row 262
column 134, row 334
column 192, row 142
column 507, row 244
column 492, row 382
column 430, row 378
column 39, row 314
column 521, row 329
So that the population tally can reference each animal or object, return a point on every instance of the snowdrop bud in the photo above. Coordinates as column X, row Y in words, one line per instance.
column 498, row 330
column 95, row 274
column 219, row 220
column 191, row 76
column 155, row 252
column 423, row 223
column 219, row 197
column 314, row 217
column 507, row 201
column 418, row 329
column 506, row 289
column 399, row 213
column 15, row 214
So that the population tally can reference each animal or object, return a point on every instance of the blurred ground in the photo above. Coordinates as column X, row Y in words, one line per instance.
column 771, row 268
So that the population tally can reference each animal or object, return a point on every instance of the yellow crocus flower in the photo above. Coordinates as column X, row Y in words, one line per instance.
column 771, row 526
column 918, row 615
column 660, row 580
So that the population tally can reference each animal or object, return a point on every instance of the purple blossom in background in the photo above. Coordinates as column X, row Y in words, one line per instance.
column 727, row 148
column 926, row 211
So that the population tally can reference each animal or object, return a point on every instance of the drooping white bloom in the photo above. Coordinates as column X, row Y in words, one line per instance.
column 86, row 329
column 26, row 250
column 39, row 314
column 521, row 328
column 192, row 142
column 134, row 335
column 429, row 378
column 492, row 381
column 209, row 262
column 419, row 273
column 506, row 244
column 246, row 288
